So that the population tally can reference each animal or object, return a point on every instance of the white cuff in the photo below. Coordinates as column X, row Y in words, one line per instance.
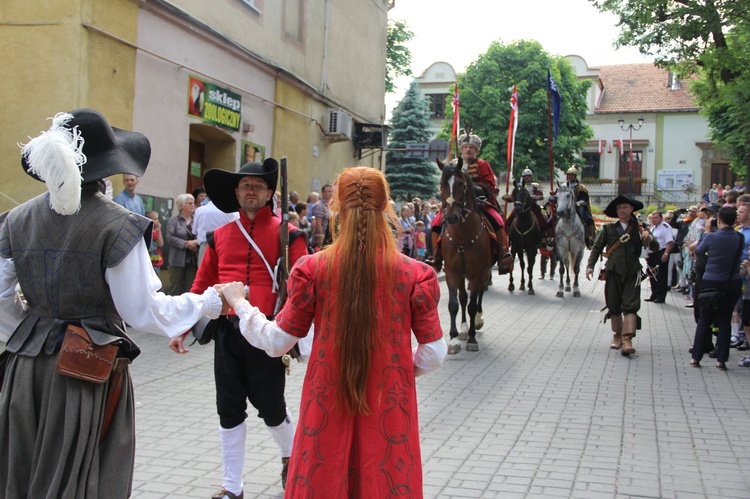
column 262, row 333
column 211, row 303
column 429, row 356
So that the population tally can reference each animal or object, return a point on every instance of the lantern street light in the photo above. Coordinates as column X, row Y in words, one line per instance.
column 630, row 127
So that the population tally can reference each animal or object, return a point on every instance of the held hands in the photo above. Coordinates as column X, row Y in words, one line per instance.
column 233, row 293
column 589, row 273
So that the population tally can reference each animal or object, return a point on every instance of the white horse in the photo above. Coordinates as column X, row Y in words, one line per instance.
column 569, row 239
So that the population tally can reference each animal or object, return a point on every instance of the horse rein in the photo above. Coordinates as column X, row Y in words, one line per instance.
column 463, row 211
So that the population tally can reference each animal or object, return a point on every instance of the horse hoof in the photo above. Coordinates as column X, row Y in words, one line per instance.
column 576, row 294
column 478, row 322
column 560, row 294
column 522, row 288
column 531, row 291
column 511, row 288
column 472, row 347
column 453, row 346
column 567, row 288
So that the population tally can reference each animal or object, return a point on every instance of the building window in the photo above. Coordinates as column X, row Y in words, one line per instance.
column 437, row 105
column 591, row 165
column 256, row 5
column 674, row 82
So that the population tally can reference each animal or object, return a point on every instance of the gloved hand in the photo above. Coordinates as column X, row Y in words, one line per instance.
column 507, row 197
column 581, row 203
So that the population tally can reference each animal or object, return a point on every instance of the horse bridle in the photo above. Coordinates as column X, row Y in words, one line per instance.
column 464, row 212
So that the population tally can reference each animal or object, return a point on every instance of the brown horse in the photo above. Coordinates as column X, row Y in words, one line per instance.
column 466, row 250
column 524, row 235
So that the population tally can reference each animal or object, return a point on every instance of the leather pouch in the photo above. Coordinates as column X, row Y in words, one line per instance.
column 81, row 358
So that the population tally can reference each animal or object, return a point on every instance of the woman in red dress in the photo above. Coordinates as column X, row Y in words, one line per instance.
column 358, row 431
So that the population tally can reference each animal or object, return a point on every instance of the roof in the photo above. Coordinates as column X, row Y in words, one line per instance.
column 641, row 88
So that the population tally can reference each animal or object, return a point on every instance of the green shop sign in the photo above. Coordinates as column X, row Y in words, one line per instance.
column 214, row 104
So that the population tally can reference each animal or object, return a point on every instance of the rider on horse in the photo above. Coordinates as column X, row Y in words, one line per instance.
column 480, row 173
column 536, row 195
column 581, row 195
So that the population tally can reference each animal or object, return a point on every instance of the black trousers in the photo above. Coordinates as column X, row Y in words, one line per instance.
column 720, row 316
column 243, row 372
column 659, row 286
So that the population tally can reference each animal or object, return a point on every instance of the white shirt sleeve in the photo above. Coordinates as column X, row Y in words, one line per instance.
column 429, row 356
column 12, row 311
column 262, row 333
column 134, row 287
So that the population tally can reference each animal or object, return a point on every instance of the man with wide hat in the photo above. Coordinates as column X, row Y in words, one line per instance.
column 623, row 240
column 82, row 263
column 246, row 250
column 482, row 177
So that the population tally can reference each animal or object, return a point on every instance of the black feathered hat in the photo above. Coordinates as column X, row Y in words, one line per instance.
column 220, row 184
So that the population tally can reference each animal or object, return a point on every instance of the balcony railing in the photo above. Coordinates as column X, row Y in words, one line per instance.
column 650, row 193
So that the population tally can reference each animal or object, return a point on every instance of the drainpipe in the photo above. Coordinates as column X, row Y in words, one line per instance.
column 325, row 49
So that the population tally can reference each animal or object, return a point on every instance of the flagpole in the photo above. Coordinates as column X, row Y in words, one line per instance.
column 512, row 125
column 549, row 138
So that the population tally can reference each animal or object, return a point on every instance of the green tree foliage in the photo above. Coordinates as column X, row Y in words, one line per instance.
column 397, row 54
column 485, row 91
column 703, row 39
column 410, row 177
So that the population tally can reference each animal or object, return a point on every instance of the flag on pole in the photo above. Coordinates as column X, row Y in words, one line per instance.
column 619, row 143
column 601, row 147
column 456, row 120
column 512, row 126
column 556, row 104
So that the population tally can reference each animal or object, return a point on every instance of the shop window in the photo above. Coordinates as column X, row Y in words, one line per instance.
column 591, row 165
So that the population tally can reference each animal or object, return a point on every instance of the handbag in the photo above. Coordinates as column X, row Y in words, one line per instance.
column 81, row 358
column 204, row 331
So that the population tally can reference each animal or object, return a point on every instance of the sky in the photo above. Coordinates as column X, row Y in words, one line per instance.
column 458, row 31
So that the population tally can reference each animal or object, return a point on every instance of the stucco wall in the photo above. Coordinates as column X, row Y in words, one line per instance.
column 161, row 99
column 52, row 63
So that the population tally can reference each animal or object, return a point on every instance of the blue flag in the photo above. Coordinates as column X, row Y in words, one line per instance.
column 556, row 103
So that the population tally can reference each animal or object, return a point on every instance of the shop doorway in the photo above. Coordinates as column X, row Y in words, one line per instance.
column 210, row 147
column 721, row 174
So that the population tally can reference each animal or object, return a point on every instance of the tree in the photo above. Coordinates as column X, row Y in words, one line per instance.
column 410, row 176
column 485, row 91
column 397, row 54
column 707, row 41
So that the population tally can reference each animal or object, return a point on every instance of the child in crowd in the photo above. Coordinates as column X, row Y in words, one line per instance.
column 420, row 241
column 157, row 241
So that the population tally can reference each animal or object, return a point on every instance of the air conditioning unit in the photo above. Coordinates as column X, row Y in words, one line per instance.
column 339, row 124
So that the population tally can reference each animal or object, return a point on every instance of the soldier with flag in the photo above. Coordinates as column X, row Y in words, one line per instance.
column 581, row 195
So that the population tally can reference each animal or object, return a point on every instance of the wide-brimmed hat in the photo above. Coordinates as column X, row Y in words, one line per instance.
column 220, row 184
column 107, row 150
column 611, row 209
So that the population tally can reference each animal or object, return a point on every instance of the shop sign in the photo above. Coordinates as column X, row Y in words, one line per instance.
column 214, row 104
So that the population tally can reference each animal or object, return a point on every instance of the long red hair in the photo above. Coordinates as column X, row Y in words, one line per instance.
column 362, row 255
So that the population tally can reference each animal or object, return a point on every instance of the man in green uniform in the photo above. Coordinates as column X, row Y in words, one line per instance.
column 624, row 240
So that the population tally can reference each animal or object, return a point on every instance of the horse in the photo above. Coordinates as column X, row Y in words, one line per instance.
column 524, row 235
column 569, row 239
column 466, row 250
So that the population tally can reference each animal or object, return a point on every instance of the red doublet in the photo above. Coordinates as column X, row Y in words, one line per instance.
column 481, row 172
column 337, row 454
column 232, row 257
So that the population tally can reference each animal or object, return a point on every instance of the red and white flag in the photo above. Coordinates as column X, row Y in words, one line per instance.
column 456, row 121
column 512, row 127
column 601, row 146
column 619, row 143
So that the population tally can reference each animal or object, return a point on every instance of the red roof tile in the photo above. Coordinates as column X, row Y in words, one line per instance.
column 641, row 88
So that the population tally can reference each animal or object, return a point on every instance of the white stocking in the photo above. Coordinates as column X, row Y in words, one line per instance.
column 283, row 434
column 233, row 456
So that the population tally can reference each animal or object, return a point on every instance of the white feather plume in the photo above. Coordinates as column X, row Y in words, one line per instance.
column 56, row 157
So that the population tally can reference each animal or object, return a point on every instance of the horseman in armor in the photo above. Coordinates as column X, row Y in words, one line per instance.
column 481, row 174
column 581, row 195
column 536, row 195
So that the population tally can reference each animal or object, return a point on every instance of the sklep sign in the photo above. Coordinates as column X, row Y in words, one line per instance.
column 214, row 104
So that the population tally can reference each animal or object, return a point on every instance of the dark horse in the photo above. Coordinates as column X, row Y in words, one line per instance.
column 466, row 252
column 524, row 235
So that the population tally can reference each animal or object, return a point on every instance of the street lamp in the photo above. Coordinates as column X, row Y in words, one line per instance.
column 630, row 127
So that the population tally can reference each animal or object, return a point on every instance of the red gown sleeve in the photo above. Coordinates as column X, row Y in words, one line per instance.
column 298, row 312
column 486, row 175
column 425, row 321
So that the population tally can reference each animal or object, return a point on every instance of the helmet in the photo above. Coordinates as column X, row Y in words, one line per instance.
column 527, row 172
column 573, row 170
column 469, row 139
